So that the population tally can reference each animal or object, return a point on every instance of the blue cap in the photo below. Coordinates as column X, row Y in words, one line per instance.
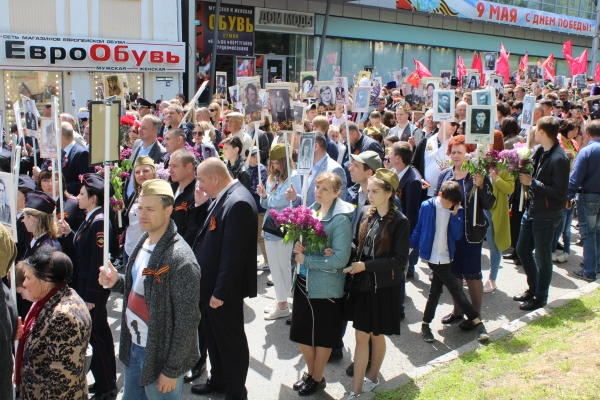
column 40, row 201
column 25, row 182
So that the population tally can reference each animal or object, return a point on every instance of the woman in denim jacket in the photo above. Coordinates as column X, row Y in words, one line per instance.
column 319, row 284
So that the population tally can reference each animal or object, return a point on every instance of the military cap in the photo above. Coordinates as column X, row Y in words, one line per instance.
column 370, row 158
column 157, row 187
column 40, row 201
column 388, row 176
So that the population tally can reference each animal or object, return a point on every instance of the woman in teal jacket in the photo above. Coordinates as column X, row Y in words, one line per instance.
column 319, row 285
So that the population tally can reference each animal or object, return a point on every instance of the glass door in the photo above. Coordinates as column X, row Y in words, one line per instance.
column 274, row 69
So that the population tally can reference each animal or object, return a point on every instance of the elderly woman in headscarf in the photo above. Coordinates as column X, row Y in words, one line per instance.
column 51, row 354
column 8, row 314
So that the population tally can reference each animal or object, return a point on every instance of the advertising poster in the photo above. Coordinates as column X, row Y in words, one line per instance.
column 236, row 29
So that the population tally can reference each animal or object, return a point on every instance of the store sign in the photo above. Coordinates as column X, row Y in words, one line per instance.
column 269, row 20
column 499, row 13
column 236, row 29
column 35, row 52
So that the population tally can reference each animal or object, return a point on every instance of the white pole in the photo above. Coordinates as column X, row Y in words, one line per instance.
column 34, row 151
column 522, row 197
column 193, row 101
column 16, row 169
column 53, row 161
column 305, row 189
column 254, row 141
column 107, row 113
column 256, row 125
column 59, row 158
column 347, row 132
column 287, row 158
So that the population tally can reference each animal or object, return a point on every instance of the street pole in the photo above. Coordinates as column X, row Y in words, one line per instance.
column 213, row 57
column 323, row 36
column 595, row 42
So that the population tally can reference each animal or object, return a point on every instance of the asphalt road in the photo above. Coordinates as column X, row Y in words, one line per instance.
column 276, row 363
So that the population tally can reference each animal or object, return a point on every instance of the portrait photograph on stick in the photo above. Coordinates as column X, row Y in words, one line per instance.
column 341, row 90
column 527, row 113
column 443, row 105
column 593, row 103
column 30, row 115
column 251, row 106
column 361, row 75
column 473, row 82
column 221, row 92
column 113, row 86
column 484, row 97
column 309, row 80
column 361, row 98
column 8, row 208
column 306, row 153
column 497, row 82
column 490, row 61
column 480, row 124
column 414, row 97
column 429, row 86
column 98, row 130
column 280, row 97
column 446, row 75
column 299, row 116
column 48, row 145
column 325, row 96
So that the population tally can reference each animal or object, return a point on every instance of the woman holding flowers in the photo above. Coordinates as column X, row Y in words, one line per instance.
column 382, row 240
column 319, row 283
column 498, row 233
column 272, row 198
column 467, row 258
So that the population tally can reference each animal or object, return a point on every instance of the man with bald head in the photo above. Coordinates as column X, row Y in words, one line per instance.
column 75, row 159
column 230, row 220
column 461, row 110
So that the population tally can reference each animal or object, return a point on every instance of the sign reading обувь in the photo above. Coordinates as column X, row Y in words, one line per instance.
column 269, row 20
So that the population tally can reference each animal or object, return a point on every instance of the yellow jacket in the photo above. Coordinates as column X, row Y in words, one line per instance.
column 503, row 187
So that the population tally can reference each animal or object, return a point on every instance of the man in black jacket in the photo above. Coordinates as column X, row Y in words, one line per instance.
column 359, row 143
column 227, row 276
column 183, row 169
column 75, row 159
column 548, row 196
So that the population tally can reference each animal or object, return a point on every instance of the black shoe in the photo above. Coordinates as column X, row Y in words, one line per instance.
column 336, row 354
column 106, row 396
column 526, row 295
column 410, row 275
column 559, row 246
column 466, row 325
column 298, row 385
column 427, row 334
column 195, row 372
column 288, row 321
column 430, row 276
column 92, row 388
column 311, row 386
column 511, row 256
column 582, row 275
column 350, row 370
column 270, row 283
column 402, row 316
column 482, row 334
column 532, row 304
column 518, row 261
column 206, row 388
column 450, row 318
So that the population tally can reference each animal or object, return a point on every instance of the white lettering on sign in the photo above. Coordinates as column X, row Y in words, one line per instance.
column 283, row 21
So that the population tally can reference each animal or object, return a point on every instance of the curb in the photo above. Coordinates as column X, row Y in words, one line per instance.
column 504, row 330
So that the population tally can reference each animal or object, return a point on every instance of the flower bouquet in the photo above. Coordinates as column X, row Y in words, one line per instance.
column 162, row 172
column 299, row 224
column 518, row 161
column 118, row 177
column 125, row 124
column 476, row 163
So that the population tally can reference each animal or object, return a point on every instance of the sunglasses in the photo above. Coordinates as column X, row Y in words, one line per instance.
column 454, row 123
column 198, row 133
column 387, row 159
column 48, row 106
column 211, row 109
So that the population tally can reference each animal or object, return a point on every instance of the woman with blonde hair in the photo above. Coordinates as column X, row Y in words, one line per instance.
column 278, row 253
column 39, row 222
column 203, row 146
column 215, row 115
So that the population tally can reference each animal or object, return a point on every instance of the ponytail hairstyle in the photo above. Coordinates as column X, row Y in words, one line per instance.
column 385, row 237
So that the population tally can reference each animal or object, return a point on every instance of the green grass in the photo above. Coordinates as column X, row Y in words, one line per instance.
column 554, row 357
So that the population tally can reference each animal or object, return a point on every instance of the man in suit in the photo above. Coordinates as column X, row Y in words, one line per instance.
column 227, row 276
column 481, row 125
column 412, row 99
column 146, row 145
column 444, row 104
column 172, row 117
column 76, row 159
column 279, row 107
column 321, row 163
column 340, row 93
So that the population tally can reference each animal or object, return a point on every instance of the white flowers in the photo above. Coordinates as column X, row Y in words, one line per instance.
column 524, row 153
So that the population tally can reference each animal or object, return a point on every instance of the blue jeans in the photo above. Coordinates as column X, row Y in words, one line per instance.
column 125, row 258
column 495, row 254
column 564, row 229
column 588, row 213
column 536, row 234
column 132, row 389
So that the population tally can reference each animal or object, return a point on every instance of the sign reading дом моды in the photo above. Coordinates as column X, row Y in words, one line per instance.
column 90, row 54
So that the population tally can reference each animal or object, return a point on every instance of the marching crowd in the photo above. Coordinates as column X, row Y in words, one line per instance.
column 202, row 194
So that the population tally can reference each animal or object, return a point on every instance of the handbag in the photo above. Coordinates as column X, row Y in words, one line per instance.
column 357, row 283
column 270, row 227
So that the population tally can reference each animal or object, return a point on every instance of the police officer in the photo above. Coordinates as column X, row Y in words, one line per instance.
column 39, row 221
column 87, row 245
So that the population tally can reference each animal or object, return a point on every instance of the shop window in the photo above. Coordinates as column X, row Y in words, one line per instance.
column 292, row 74
column 442, row 59
column 419, row 53
column 39, row 86
column 356, row 54
column 562, row 68
column 332, row 53
column 387, row 59
column 135, row 83
column 281, row 44
column 467, row 57
column 513, row 62
column 549, row 8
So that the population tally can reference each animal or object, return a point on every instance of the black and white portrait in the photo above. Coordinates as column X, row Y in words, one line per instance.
column 498, row 83
column 325, row 95
column 559, row 81
column 580, row 81
column 341, row 90
column 593, row 103
column 489, row 63
column 473, row 81
column 464, row 81
column 445, row 75
column 221, row 93
column 443, row 105
column 309, row 79
column 484, row 97
column 299, row 109
column 306, row 153
column 280, row 104
column 264, row 99
column 48, row 144
column 480, row 124
column 528, row 108
column 414, row 96
column 361, row 98
column 5, row 210
column 7, row 203
column 30, row 115
column 233, row 94
column 532, row 71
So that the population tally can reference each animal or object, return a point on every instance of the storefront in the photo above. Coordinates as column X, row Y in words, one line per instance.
column 83, row 42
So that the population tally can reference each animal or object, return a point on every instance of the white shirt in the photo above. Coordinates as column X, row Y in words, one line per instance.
column 338, row 121
column 137, row 310
column 439, row 251
column 401, row 173
column 246, row 141
column 67, row 149
column 87, row 217
column 432, row 169
column 134, row 230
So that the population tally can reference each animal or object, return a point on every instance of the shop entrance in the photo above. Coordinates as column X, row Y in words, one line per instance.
column 275, row 67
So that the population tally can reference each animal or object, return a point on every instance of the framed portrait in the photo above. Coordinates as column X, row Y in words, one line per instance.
column 480, row 124
column 100, row 91
column 306, row 153
column 264, row 99
column 308, row 82
column 579, row 81
column 464, row 81
column 414, row 97
column 281, row 99
column 325, row 96
column 8, row 208
column 30, row 111
column 490, row 61
column 429, row 86
column 299, row 116
column 361, row 75
column 362, row 95
column 221, row 90
column 559, row 81
column 98, row 131
column 251, row 107
column 497, row 82
column 48, row 143
column 17, row 111
column 377, row 83
column 532, row 71
column 593, row 103
column 398, row 78
column 473, row 81
column 234, row 97
column 113, row 86
column 527, row 113
column 445, row 75
column 341, row 90
column 443, row 105
column 484, row 97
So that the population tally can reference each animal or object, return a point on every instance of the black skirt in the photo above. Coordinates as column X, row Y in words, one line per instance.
column 316, row 322
column 377, row 312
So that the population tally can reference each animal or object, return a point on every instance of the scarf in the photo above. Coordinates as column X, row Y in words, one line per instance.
column 28, row 327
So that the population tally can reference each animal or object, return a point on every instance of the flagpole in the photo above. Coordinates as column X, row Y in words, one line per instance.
column 287, row 159
column 595, row 41
column 105, row 246
column 59, row 158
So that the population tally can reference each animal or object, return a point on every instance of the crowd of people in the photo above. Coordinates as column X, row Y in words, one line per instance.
column 387, row 190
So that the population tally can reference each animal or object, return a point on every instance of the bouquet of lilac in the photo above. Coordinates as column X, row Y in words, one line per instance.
column 299, row 224
column 519, row 161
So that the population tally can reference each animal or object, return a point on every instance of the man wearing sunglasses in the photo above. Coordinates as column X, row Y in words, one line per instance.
column 47, row 110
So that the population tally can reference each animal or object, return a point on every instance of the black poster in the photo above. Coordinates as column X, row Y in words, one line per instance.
column 236, row 29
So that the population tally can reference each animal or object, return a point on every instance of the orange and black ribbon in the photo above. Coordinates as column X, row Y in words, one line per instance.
column 156, row 274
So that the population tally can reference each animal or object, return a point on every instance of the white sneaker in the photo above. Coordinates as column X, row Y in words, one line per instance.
column 351, row 395
column 562, row 258
column 278, row 313
column 369, row 385
column 271, row 308
column 553, row 257
column 262, row 266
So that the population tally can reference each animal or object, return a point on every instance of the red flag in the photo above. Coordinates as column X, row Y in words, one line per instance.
column 523, row 62
column 548, row 67
column 422, row 70
column 503, row 67
column 568, row 53
column 414, row 79
column 597, row 73
column 461, row 69
column 580, row 64
column 332, row 58
column 476, row 64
